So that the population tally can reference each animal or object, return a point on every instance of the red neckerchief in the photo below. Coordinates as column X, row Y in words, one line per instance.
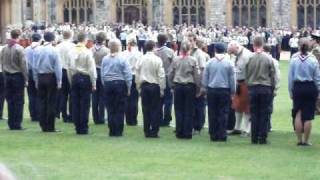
column 12, row 42
column 184, row 54
column 129, row 48
column 259, row 50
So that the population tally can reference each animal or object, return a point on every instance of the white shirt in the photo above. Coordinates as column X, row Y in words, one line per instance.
column 65, row 50
column 294, row 42
column 132, row 57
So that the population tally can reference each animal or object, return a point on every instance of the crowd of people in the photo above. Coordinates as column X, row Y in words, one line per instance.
column 233, row 71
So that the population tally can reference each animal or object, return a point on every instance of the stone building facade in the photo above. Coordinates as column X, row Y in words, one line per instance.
column 269, row 13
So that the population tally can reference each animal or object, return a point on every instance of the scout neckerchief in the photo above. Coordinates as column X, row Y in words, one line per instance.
column 12, row 42
column 98, row 47
column 184, row 54
column 259, row 50
column 162, row 47
column 302, row 57
column 34, row 45
column 46, row 43
column 219, row 58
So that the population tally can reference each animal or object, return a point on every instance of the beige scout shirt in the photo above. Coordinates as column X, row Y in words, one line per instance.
column 83, row 63
column 150, row 69
column 13, row 60
column 184, row 70
column 99, row 52
column 260, row 70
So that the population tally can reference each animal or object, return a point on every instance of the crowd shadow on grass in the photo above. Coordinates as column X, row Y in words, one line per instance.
column 279, row 139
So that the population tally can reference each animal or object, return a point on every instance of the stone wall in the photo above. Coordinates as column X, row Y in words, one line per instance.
column 216, row 12
column 281, row 13
column 103, row 11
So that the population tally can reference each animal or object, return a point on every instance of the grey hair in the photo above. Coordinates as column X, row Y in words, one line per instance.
column 234, row 44
column 114, row 45
column 185, row 46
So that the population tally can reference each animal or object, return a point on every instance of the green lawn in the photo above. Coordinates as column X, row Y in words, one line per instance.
column 37, row 156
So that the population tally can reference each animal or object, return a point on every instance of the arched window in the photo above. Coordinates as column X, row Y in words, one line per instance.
column 78, row 11
column 308, row 12
column 249, row 12
column 189, row 12
column 131, row 11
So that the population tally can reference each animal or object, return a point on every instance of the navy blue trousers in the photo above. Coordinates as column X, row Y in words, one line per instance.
column 132, row 105
column 274, row 51
column 141, row 45
column 98, row 104
column 115, row 98
column 166, row 109
column 33, row 98
column 184, row 106
column 260, row 103
column 2, row 94
column 293, row 51
column 151, row 101
column 200, row 113
column 47, row 93
column 65, row 98
column 219, row 105
column 14, row 88
column 81, row 89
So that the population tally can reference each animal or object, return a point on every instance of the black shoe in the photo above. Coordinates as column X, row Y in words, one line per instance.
column 115, row 135
column 164, row 124
column 300, row 144
column 153, row 136
column 99, row 123
column 263, row 141
column 235, row 132
column 179, row 136
column 187, row 137
column 67, row 121
column 214, row 139
column 83, row 133
column 254, row 140
column 131, row 124
column 307, row 144
column 223, row 139
column 17, row 129
column 51, row 131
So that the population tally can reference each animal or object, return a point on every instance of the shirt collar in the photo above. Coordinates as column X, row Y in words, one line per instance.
column 219, row 57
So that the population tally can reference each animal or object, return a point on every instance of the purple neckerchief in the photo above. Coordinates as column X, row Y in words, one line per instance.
column 12, row 42
column 303, row 58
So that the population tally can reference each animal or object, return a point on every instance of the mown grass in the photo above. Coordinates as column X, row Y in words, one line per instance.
column 33, row 155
